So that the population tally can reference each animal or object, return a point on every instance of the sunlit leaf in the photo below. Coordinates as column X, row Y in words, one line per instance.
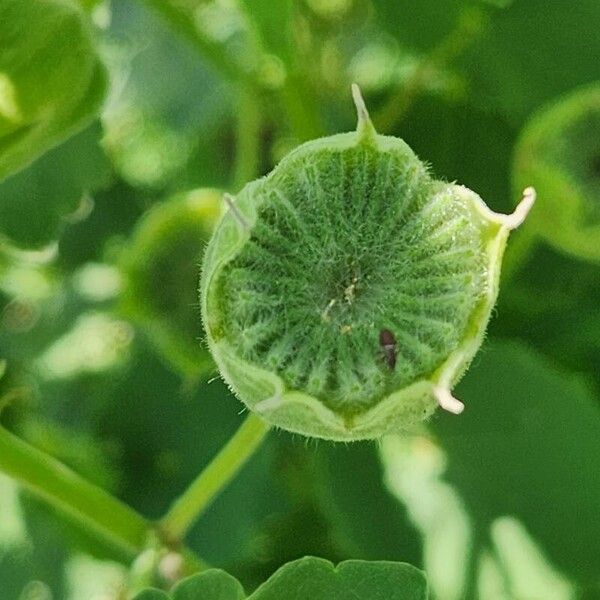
column 418, row 24
column 528, row 446
column 167, row 130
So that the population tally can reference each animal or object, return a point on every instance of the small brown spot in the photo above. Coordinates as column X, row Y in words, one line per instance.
column 387, row 341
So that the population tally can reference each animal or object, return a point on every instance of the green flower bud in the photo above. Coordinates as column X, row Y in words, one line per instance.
column 559, row 153
column 344, row 294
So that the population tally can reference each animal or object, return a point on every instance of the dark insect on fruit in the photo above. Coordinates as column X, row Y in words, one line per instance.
column 387, row 341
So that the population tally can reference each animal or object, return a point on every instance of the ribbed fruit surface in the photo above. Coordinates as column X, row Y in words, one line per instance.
column 349, row 241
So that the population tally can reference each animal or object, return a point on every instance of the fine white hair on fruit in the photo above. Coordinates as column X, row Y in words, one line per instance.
column 345, row 293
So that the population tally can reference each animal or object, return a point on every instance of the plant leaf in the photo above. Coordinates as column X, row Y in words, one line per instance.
column 365, row 518
column 273, row 22
column 213, row 584
column 167, row 247
column 310, row 578
column 51, row 82
column 52, row 187
column 418, row 24
column 313, row 578
column 509, row 66
column 152, row 595
column 528, row 446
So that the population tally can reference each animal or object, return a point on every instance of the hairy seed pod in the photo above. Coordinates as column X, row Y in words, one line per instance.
column 160, row 266
column 559, row 153
column 345, row 293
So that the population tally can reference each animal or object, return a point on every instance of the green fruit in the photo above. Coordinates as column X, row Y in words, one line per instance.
column 559, row 153
column 161, row 266
column 346, row 292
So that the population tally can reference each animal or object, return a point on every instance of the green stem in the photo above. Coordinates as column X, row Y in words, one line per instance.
column 62, row 488
column 211, row 481
column 248, row 138
column 183, row 20
column 301, row 107
column 468, row 27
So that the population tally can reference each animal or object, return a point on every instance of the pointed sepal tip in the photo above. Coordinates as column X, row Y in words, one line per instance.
column 364, row 128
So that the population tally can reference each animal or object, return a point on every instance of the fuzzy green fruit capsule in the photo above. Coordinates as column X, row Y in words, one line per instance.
column 344, row 294
column 160, row 265
column 559, row 153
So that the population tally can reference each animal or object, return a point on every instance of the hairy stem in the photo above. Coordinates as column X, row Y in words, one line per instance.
column 91, row 506
column 211, row 481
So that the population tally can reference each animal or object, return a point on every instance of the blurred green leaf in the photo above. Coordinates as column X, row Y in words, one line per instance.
column 218, row 31
column 230, row 533
column 464, row 143
column 169, row 131
column 24, row 565
column 169, row 434
column 161, row 265
column 34, row 202
column 558, row 153
column 552, row 302
column 274, row 25
column 152, row 595
column 365, row 519
column 528, row 54
column 421, row 24
column 51, row 82
column 528, row 446
column 273, row 22
column 98, row 237
column 413, row 469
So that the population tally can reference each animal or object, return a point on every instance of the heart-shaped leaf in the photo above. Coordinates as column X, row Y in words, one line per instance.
column 309, row 578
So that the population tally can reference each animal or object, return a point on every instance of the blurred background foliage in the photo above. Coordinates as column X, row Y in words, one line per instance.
column 111, row 179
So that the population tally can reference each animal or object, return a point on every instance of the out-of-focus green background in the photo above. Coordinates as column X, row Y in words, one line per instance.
column 120, row 124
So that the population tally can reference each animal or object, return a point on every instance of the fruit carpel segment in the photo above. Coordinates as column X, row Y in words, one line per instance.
column 356, row 280
column 349, row 237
